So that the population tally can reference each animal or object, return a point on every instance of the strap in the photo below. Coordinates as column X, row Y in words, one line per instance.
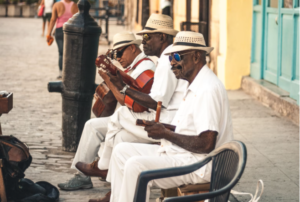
column 136, row 64
column 254, row 198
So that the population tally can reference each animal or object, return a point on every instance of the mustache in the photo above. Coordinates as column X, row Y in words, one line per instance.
column 176, row 67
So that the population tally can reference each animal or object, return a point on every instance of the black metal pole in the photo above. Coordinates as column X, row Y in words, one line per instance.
column 81, row 39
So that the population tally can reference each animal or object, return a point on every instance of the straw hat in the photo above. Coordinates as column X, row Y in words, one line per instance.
column 187, row 40
column 159, row 23
column 125, row 39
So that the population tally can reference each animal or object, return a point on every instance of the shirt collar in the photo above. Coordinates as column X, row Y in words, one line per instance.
column 137, row 58
column 198, row 80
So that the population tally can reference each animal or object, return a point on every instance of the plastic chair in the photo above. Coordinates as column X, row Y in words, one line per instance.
column 229, row 161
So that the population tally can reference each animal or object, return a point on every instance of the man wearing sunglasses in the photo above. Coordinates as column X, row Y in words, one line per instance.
column 203, row 123
column 157, row 38
column 134, row 61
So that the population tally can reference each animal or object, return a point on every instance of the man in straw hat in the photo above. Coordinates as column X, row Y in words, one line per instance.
column 157, row 39
column 203, row 123
column 135, row 61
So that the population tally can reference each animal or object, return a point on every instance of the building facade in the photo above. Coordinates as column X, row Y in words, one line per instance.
column 259, row 38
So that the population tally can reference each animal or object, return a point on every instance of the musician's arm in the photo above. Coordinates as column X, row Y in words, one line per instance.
column 119, row 96
column 141, row 98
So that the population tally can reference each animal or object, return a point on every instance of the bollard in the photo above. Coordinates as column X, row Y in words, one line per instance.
column 81, row 39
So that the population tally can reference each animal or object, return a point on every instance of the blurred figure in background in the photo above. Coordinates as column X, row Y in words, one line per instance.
column 165, row 6
column 62, row 11
column 47, row 13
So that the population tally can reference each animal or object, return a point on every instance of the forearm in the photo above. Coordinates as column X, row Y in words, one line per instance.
column 51, row 25
column 141, row 98
column 120, row 97
column 202, row 144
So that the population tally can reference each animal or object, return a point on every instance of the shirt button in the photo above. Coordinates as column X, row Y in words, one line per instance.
column 183, row 99
column 178, row 121
column 161, row 145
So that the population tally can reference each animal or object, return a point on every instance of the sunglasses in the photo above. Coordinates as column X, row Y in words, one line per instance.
column 119, row 54
column 177, row 56
column 146, row 37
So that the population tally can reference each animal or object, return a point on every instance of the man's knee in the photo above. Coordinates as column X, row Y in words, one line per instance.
column 121, row 148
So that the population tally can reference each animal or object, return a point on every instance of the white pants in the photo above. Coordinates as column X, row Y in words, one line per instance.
column 130, row 159
column 92, row 136
column 122, row 128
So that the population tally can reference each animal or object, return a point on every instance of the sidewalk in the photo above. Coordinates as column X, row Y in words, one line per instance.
column 27, row 64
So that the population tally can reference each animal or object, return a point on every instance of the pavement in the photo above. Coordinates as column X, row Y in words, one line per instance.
column 27, row 64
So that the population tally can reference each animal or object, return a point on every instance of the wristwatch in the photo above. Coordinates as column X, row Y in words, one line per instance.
column 124, row 89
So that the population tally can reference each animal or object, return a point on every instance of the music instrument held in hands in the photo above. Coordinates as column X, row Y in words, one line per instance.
column 140, row 122
column 143, row 83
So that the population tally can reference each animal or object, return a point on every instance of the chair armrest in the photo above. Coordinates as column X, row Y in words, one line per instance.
column 146, row 176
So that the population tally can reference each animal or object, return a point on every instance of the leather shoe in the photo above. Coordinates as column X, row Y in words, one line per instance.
column 106, row 198
column 91, row 169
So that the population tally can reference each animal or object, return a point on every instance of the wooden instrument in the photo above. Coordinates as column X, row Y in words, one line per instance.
column 143, row 83
column 158, row 110
column 140, row 122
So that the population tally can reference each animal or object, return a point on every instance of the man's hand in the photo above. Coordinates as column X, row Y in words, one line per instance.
column 155, row 130
column 117, row 80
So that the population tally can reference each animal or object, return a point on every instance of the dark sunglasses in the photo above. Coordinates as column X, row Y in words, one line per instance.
column 119, row 54
column 146, row 37
column 177, row 56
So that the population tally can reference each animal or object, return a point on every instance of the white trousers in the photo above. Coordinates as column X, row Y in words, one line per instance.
column 130, row 159
column 122, row 128
column 92, row 136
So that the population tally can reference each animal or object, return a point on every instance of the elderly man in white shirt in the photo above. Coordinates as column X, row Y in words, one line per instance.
column 135, row 62
column 203, row 123
column 157, row 39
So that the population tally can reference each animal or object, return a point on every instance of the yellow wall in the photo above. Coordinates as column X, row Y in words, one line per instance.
column 235, row 42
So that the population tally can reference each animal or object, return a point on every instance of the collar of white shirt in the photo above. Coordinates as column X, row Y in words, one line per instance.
column 137, row 58
column 198, row 80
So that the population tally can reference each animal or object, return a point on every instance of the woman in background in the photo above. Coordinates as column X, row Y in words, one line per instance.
column 62, row 11
column 47, row 13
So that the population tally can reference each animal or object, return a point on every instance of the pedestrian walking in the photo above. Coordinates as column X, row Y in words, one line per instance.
column 47, row 13
column 62, row 11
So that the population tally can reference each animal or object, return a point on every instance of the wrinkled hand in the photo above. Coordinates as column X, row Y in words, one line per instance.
column 155, row 130
column 117, row 80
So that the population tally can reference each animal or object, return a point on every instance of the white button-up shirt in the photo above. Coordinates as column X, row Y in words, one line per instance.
column 166, row 87
column 205, row 107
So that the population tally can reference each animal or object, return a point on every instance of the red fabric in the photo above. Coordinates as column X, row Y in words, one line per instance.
column 136, row 64
column 41, row 11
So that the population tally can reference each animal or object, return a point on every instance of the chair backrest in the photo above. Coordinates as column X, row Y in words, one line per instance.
column 229, row 161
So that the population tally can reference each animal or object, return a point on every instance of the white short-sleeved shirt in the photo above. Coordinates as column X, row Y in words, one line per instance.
column 205, row 107
column 166, row 87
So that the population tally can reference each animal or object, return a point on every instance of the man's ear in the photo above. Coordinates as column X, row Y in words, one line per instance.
column 197, row 57
column 133, row 48
column 163, row 37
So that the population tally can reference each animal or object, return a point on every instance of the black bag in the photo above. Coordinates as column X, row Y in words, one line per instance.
column 16, row 159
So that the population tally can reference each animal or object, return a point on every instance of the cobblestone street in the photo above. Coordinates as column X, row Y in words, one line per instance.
column 27, row 64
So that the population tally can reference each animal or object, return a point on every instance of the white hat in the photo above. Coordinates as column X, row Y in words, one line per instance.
column 187, row 40
column 125, row 39
column 159, row 23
